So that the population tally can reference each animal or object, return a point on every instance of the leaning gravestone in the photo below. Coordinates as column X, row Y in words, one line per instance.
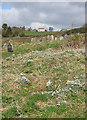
column 9, row 47
column 61, row 38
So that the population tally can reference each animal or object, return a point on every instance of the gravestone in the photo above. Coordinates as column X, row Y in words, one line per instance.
column 32, row 39
column 9, row 48
column 38, row 41
column 61, row 38
column 78, row 33
column 55, row 38
column 52, row 37
column 48, row 37
column 11, row 42
column 4, row 45
column 44, row 39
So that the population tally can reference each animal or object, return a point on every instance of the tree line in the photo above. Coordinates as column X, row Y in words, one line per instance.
column 8, row 31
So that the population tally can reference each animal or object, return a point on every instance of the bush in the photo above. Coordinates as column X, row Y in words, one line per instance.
column 11, row 112
column 21, row 34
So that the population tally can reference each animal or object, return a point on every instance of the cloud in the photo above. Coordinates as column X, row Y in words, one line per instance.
column 57, row 14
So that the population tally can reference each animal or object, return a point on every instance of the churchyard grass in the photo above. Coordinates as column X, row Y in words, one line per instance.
column 42, row 80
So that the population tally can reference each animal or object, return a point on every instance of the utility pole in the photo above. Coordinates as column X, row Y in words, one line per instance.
column 73, row 25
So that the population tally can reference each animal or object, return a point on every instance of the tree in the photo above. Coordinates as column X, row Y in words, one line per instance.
column 23, row 28
column 15, row 31
column 4, row 26
column 21, row 34
column 30, row 29
column 50, row 28
column 9, row 31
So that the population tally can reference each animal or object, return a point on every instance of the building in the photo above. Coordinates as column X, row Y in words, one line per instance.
column 41, row 30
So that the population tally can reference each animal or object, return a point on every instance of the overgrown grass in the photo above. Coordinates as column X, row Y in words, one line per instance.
column 38, row 33
column 39, row 65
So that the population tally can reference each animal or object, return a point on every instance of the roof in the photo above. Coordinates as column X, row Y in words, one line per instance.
column 41, row 28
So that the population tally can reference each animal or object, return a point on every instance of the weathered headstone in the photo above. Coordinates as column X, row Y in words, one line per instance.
column 55, row 38
column 78, row 33
column 9, row 47
column 48, row 37
column 11, row 42
column 32, row 39
column 52, row 37
column 44, row 39
column 38, row 41
column 4, row 45
column 61, row 38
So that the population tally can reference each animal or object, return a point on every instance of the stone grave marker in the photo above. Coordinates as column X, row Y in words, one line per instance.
column 52, row 37
column 38, row 41
column 55, row 38
column 48, row 37
column 32, row 39
column 9, row 48
column 44, row 39
column 11, row 42
column 61, row 38
column 78, row 33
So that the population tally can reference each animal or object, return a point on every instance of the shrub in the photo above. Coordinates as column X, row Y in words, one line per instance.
column 21, row 34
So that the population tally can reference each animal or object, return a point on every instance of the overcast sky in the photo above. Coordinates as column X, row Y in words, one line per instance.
column 44, row 14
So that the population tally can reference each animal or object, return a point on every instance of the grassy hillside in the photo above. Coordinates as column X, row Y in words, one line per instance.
column 42, row 77
column 27, row 33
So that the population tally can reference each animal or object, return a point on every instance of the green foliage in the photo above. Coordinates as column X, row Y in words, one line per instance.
column 7, row 32
column 12, row 32
column 28, row 71
column 10, row 113
column 50, row 28
column 21, row 34
column 4, row 26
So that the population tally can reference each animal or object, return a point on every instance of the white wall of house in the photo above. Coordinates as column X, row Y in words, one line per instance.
column 41, row 29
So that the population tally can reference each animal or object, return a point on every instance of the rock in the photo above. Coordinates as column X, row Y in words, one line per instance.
column 53, row 93
column 25, row 80
column 64, row 102
column 12, row 59
column 13, row 55
column 58, row 104
column 29, row 62
column 8, row 58
column 48, row 83
column 61, row 38
column 33, row 93
column 21, row 74
column 17, row 80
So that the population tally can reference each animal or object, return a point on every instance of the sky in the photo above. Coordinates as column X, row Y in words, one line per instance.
column 59, row 15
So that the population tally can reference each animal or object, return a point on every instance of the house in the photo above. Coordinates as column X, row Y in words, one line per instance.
column 41, row 30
